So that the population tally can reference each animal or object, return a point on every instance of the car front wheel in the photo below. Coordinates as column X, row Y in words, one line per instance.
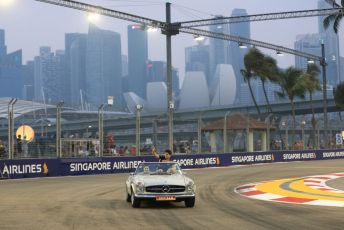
column 128, row 199
column 189, row 203
column 135, row 202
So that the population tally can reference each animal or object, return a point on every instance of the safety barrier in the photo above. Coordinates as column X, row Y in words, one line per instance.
column 28, row 168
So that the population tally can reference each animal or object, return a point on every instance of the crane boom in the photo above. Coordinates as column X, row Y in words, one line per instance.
column 174, row 28
column 260, row 17
column 105, row 11
column 243, row 40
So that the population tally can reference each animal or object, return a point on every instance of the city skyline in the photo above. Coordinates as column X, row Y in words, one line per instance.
column 74, row 21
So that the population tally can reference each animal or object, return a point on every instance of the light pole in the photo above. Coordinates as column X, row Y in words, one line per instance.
column 169, row 31
column 225, row 145
column 199, row 136
column 58, row 129
column 10, row 118
column 110, row 101
column 323, row 65
column 285, row 125
column 303, row 123
column 88, row 127
column 138, row 124
column 267, row 121
column 101, row 128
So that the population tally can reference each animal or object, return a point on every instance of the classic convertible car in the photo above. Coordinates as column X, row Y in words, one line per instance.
column 160, row 181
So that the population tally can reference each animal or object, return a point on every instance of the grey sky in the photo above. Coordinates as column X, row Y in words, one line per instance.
column 30, row 24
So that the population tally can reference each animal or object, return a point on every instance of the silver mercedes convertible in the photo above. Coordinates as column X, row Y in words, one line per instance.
column 160, row 181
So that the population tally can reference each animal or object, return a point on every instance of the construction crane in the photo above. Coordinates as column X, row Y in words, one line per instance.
column 169, row 29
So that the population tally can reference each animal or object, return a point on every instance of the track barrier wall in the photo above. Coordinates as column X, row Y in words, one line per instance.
column 29, row 168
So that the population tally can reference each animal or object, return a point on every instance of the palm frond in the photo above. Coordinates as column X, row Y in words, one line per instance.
column 280, row 94
column 337, row 23
column 245, row 74
column 327, row 21
column 313, row 69
column 333, row 3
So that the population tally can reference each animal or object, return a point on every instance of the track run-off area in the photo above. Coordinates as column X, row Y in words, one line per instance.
column 98, row 202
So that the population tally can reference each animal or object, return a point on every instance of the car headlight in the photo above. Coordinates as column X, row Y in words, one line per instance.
column 190, row 186
column 140, row 187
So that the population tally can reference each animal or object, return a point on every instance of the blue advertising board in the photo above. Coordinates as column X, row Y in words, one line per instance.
column 26, row 168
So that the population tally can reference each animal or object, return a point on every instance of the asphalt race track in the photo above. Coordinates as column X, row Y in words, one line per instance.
column 98, row 202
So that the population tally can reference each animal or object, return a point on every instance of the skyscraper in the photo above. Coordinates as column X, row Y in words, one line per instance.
column 76, row 65
column 331, row 42
column 197, row 59
column 237, row 54
column 103, row 67
column 137, row 60
column 157, row 72
column 308, row 43
column 3, row 49
column 48, row 76
column 28, row 81
column 11, row 76
column 218, row 49
column 75, row 48
column 341, row 69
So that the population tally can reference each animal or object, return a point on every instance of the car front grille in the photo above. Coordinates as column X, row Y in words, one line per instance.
column 165, row 188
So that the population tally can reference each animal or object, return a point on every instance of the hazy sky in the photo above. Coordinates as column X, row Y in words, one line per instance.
column 30, row 24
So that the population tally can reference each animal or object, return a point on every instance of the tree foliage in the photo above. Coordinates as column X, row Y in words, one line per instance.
column 339, row 95
column 334, row 18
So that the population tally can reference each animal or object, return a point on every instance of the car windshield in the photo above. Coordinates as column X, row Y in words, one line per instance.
column 159, row 168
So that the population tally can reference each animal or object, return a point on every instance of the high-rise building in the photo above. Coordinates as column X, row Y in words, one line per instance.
column 124, row 65
column 157, row 72
column 11, row 75
column 103, row 67
column 76, row 65
column 28, row 81
column 11, row 71
column 49, row 71
column 308, row 43
column 237, row 54
column 3, row 49
column 61, row 78
column 311, row 43
column 341, row 68
column 197, row 59
column 137, row 60
column 75, row 48
column 331, row 43
column 125, row 81
column 218, row 49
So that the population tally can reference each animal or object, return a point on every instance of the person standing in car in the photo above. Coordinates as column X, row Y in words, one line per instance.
column 167, row 157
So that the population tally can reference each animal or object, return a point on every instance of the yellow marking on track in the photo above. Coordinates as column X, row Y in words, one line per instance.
column 299, row 185
column 274, row 188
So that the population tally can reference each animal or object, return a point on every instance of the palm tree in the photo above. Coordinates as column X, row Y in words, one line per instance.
column 292, row 85
column 312, row 85
column 334, row 18
column 339, row 95
column 247, row 74
column 262, row 67
column 252, row 61
column 268, row 71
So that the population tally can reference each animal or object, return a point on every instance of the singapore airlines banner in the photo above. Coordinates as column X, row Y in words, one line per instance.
column 26, row 168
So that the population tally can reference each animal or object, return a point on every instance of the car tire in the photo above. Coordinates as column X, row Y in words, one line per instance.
column 128, row 199
column 189, row 203
column 135, row 202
